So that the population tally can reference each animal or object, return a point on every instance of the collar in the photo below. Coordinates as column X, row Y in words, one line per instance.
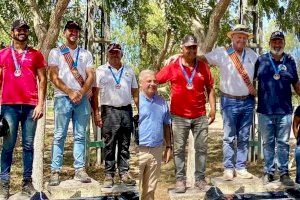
column 281, row 59
column 146, row 98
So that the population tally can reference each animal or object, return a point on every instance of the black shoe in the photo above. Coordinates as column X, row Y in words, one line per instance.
column 286, row 180
column 4, row 189
column 268, row 178
column 27, row 187
column 54, row 179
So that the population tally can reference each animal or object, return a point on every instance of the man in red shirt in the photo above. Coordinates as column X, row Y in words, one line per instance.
column 190, row 80
column 22, row 102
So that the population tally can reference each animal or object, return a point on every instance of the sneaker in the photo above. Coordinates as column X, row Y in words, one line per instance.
column 4, row 189
column 82, row 176
column 127, row 179
column 54, row 178
column 180, row 186
column 268, row 178
column 286, row 180
column 228, row 174
column 244, row 174
column 108, row 181
column 201, row 185
column 27, row 187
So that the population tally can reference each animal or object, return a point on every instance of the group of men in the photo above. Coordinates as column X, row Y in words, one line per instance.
column 78, row 89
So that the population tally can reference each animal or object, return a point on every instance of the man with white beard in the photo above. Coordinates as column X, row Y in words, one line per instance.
column 276, row 72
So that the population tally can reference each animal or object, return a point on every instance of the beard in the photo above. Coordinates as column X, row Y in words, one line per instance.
column 277, row 51
column 20, row 37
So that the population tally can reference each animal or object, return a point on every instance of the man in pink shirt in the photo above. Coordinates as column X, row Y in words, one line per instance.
column 190, row 80
column 22, row 102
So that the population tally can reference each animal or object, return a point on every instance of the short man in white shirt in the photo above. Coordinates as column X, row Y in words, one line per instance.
column 237, row 99
column 117, row 86
column 71, row 100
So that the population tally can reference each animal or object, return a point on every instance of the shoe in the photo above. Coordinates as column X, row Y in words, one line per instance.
column 108, row 181
column 180, row 186
column 54, row 178
column 286, row 180
column 27, row 187
column 228, row 174
column 82, row 176
column 268, row 178
column 4, row 189
column 201, row 185
column 244, row 174
column 127, row 179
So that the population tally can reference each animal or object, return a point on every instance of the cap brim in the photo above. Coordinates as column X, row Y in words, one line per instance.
column 230, row 33
column 73, row 27
column 22, row 26
column 187, row 44
column 274, row 38
column 109, row 50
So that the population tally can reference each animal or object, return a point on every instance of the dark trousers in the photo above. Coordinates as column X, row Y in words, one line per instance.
column 117, row 128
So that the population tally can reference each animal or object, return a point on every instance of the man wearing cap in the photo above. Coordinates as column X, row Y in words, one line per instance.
column 154, row 134
column 276, row 72
column 22, row 102
column 190, row 79
column 117, row 85
column 71, row 71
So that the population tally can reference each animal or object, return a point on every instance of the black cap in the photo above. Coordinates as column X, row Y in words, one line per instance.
column 114, row 47
column 277, row 35
column 189, row 40
column 19, row 23
column 72, row 25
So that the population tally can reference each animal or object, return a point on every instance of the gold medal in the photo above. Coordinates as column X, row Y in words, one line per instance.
column 276, row 76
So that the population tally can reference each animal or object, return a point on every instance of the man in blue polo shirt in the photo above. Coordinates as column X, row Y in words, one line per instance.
column 276, row 73
column 154, row 131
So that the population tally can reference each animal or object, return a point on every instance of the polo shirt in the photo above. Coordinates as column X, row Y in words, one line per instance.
column 275, row 96
column 56, row 58
column 184, row 102
column 153, row 115
column 22, row 89
column 231, row 81
column 111, row 95
column 297, row 113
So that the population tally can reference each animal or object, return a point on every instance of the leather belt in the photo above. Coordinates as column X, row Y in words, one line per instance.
column 235, row 97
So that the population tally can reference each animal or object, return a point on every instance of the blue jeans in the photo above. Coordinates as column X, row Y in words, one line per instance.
column 14, row 114
column 275, row 131
column 297, row 157
column 237, row 120
column 64, row 111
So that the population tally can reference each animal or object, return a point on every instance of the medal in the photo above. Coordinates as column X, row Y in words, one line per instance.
column 17, row 73
column 282, row 67
column 276, row 76
column 189, row 86
column 118, row 86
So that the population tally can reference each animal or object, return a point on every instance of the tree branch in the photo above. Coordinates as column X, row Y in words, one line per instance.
column 163, row 53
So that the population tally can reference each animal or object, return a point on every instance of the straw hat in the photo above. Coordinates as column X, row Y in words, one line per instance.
column 240, row 28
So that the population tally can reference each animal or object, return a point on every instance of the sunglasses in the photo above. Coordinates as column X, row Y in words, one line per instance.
column 112, row 46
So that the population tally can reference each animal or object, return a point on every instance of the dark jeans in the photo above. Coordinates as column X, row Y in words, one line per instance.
column 15, row 114
column 117, row 128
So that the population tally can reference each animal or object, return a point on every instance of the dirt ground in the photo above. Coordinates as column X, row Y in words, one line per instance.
column 167, row 179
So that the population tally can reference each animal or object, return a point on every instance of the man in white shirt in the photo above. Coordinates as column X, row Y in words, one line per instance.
column 117, row 85
column 71, row 71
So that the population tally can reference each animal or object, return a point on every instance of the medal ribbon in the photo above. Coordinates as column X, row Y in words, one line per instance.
column 18, row 65
column 188, row 79
column 120, row 76
column 75, row 63
column 231, row 51
column 276, row 69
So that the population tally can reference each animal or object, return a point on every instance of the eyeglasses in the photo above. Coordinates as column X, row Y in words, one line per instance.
column 241, row 29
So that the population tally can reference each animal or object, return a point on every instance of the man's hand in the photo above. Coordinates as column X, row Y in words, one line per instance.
column 172, row 59
column 168, row 154
column 75, row 96
column 98, row 120
column 211, row 116
column 38, row 112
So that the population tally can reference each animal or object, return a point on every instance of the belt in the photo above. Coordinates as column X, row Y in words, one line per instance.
column 235, row 97
column 118, row 108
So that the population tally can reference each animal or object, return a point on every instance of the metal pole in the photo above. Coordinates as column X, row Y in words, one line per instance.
column 86, row 25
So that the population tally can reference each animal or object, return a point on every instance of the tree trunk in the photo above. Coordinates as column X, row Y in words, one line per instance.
column 162, row 56
column 46, row 40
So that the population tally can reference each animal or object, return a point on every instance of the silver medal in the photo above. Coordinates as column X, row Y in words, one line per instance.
column 282, row 67
column 17, row 73
column 118, row 86
column 189, row 86
column 276, row 76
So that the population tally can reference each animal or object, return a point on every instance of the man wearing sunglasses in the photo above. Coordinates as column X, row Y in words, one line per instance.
column 22, row 102
column 117, row 86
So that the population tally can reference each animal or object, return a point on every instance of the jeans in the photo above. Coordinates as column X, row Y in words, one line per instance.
column 237, row 120
column 64, row 111
column 297, row 157
column 275, row 131
column 181, row 129
column 15, row 114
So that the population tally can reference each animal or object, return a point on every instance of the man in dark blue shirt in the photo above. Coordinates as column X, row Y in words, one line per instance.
column 276, row 72
column 154, row 131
